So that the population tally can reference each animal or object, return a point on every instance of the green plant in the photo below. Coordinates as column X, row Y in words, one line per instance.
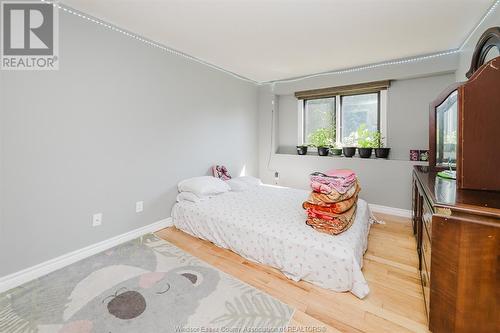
column 336, row 146
column 349, row 141
column 366, row 138
column 322, row 137
column 379, row 140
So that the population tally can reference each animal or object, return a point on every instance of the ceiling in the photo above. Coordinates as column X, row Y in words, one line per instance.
column 267, row 40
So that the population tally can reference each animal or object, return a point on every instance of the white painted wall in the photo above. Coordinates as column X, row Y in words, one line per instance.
column 383, row 182
column 119, row 122
column 408, row 112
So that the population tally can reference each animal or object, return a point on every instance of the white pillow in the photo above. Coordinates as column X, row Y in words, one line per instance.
column 204, row 185
column 251, row 181
column 237, row 185
column 188, row 196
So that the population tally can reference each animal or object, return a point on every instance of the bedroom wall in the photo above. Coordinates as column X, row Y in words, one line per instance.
column 119, row 122
column 385, row 182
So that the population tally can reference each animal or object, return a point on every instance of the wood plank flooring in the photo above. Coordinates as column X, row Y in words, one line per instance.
column 395, row 302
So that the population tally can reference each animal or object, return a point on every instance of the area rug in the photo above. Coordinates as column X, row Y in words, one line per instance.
column 143, row 286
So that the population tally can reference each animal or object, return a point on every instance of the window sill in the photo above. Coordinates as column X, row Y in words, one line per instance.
column 314, row 155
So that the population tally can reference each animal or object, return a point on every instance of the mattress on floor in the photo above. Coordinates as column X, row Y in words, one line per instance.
column 266, row 224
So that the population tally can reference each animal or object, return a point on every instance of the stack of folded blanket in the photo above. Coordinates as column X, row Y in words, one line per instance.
column 331, row 207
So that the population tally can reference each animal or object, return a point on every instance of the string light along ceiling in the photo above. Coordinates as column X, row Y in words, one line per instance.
column 335, row 72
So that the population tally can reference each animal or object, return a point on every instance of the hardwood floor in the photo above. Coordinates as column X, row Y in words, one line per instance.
column 395, row 302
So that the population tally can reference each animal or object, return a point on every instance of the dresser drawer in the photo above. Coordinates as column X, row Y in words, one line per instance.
column 427, row 217
column 425, row 273
column 426, row 288
column 426, row 253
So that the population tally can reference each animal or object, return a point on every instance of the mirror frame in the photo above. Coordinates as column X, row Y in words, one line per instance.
column 432, row 120
column 489, row 39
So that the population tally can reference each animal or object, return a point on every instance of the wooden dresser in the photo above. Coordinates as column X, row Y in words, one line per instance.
column 458, row 243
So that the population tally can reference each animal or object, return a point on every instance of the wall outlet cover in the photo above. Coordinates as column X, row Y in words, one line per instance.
column 139, row 206
column 97, row 219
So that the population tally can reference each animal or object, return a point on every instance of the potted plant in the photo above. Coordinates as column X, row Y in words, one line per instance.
column 365, row 149
column 380, row 150
column 302, row 149
column 349, row 146
column 321, row 139
column 323, row 150
column 336, row 150
column 366, row 141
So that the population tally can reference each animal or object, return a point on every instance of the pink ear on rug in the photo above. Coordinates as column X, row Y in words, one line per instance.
column 149, row 279
column 79, row 326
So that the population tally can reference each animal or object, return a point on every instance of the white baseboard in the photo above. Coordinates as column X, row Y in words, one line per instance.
column 16, row 279
column 390, row 210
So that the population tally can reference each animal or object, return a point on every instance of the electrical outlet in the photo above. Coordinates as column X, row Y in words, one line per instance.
column 97, row 219
column 139, row 206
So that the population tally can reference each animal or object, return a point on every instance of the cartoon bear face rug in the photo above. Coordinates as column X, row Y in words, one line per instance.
column 146, row 285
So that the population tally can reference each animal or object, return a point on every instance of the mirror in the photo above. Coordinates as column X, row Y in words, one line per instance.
column 446, row 132
column 492, row 54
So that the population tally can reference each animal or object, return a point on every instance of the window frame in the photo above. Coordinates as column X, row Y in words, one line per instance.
column 341, row 114
column 381, row 114
column 302, row 128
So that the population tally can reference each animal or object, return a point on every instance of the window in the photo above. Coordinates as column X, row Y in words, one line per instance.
column 319, row 116
column 357, row 110
column 335, row 114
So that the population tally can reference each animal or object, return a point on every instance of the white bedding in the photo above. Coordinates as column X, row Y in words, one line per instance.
column 266, row 224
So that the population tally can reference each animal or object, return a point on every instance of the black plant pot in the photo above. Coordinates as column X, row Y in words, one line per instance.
column 365, row 152
column 301, row 150
column 382, row 152
column 349, row 151
column 336, row 151
column 323, row 151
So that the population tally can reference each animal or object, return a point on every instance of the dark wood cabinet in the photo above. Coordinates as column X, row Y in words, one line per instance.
column 464, row 120
column 457, row 223
column 458, row 237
